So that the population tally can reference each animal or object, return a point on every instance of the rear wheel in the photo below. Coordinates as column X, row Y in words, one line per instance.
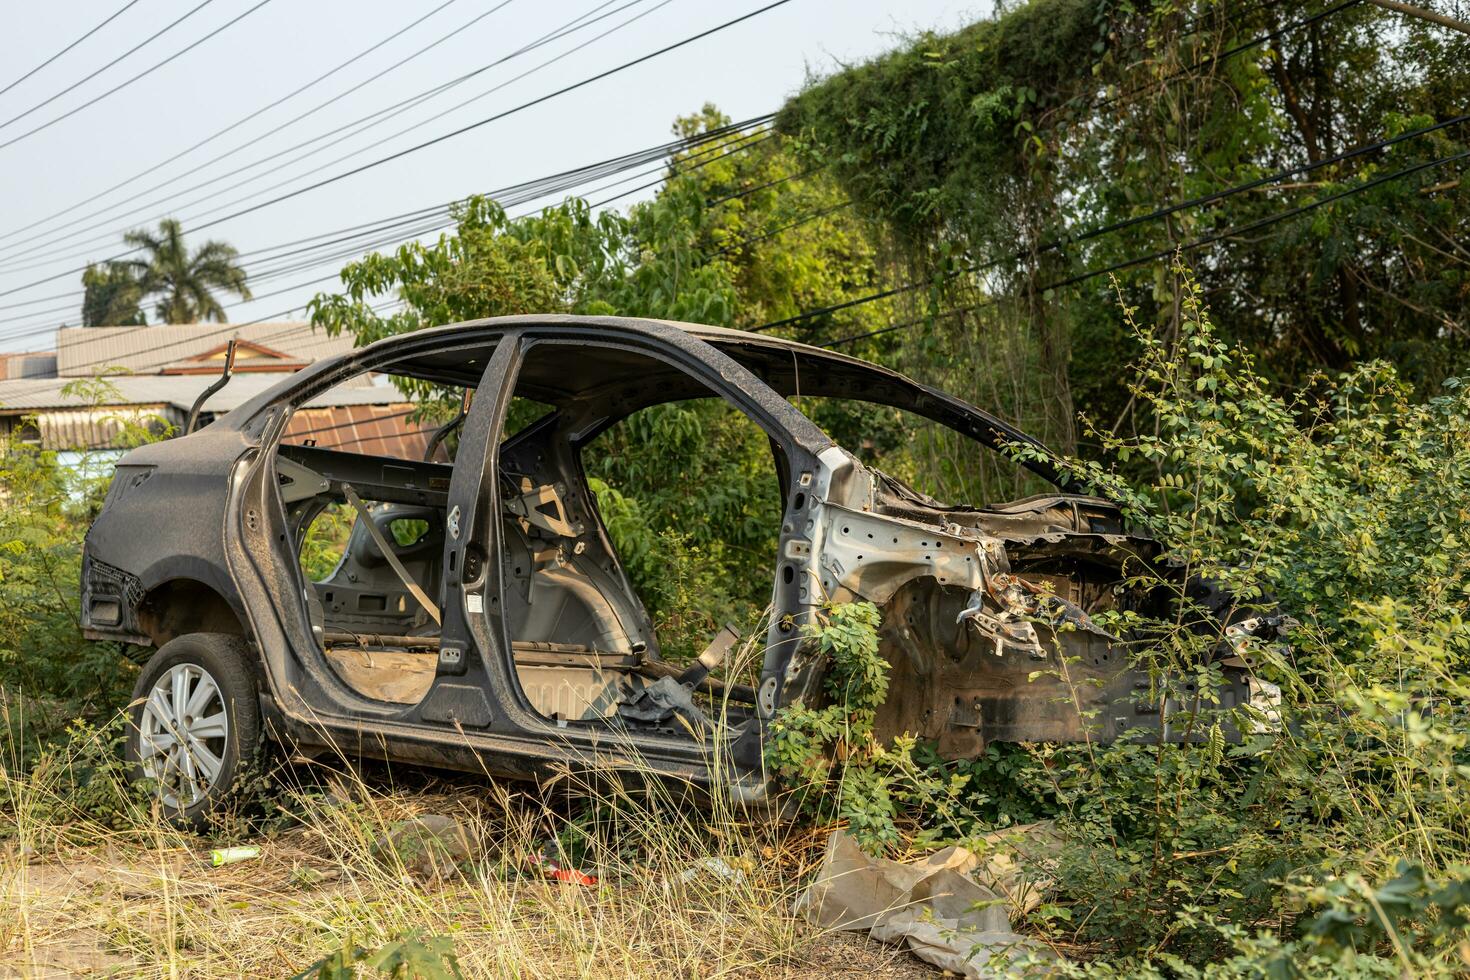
column 195, row 723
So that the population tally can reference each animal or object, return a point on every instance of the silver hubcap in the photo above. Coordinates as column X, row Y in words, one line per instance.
column 182, row 735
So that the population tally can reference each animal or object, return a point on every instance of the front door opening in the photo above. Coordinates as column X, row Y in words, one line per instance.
column 638, row 541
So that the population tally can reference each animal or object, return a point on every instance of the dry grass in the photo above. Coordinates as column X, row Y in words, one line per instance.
column 79, row 898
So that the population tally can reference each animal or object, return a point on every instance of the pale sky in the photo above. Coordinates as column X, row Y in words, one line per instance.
column 745, row 70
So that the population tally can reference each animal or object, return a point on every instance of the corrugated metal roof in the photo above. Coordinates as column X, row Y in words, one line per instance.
column 29, row 364
column 177, row 390
column 376, row 430
column 84, row 428
column 85, row 351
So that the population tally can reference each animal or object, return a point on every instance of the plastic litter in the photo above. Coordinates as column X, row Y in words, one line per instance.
column 935, row 906
column 556, row 871
column 221, row 856
column 712, row 865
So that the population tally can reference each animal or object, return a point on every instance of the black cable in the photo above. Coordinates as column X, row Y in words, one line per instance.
column 54, row 236
column 141, row 44
column 519, row 196
column 1230, row 53
column 1198, row 243
column 1154, row 215
column 111, row 17
column 512, row 194
column 386, row 139
column 235, row 125
column 722, row 150
column 350, row 129
column 441, row 221
column 446, row 136
column 1136, row 260
column 1216, row 58
column 119, row 87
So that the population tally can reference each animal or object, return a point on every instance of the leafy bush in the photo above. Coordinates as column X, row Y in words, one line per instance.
column 830, row 759
column 1345, row 503
column 411, row 956
column 1250, row 847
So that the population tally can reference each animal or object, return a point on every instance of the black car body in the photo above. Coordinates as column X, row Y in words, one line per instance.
column 199, row 536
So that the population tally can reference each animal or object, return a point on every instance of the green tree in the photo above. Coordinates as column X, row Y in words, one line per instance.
column 183, row 281
column 990, row 156
column 111, row 297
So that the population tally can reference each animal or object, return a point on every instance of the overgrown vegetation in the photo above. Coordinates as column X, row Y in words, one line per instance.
column 1329, row 835
column 1305, row 447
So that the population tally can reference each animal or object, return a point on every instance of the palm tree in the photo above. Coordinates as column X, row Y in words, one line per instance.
column 183, row 282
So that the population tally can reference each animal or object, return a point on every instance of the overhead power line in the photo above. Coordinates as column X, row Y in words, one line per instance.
column 142, row 74
column 446, row 136
column 119, row 87
column 173, row 182
column 411, row 224
column 235, row 125
column 1093, row 273
column 1194, row 245
column 110, row 18
column 348, row 131
column 526, row 192
column 1107, row 229
column 87, row 78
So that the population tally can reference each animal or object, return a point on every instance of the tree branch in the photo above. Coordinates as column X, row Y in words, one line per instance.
column 1409, row 10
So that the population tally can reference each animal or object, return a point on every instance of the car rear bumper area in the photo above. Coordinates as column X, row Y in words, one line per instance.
column 110, row 600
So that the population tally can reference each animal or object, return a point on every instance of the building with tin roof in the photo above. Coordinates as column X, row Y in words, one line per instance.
column 100, row 381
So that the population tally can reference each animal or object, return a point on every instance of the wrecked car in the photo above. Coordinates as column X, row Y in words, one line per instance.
column 480, row 618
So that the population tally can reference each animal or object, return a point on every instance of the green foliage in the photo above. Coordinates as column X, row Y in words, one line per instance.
column 1248, row 848
column 325, row 541
column 1344, row 503
column 990, row 155
column 688, row 494
column 41, row 649
column 411, row 956
column 111, row 296
column 44, row 661
column 829, row 757
column 76, row 777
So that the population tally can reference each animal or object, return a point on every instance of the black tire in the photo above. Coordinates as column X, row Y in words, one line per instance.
column 228, row 662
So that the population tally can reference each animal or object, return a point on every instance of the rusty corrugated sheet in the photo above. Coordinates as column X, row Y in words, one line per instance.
column 377, row 430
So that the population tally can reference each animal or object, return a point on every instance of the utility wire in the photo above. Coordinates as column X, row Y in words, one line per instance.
column 1198, row 243
column 142, row 74
column 363, row 122
column 438, row 215
column 591, row 79
column 141, row 44
column 536, row 190
column 111, row 17
column 234, row 125
column 1118, row 266
column 1154, row 215
column 1216, row 58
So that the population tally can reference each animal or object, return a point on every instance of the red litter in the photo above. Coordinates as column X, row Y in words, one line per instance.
column 554, row 870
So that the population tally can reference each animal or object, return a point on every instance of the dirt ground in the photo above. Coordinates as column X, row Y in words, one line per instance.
column 121, row 907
